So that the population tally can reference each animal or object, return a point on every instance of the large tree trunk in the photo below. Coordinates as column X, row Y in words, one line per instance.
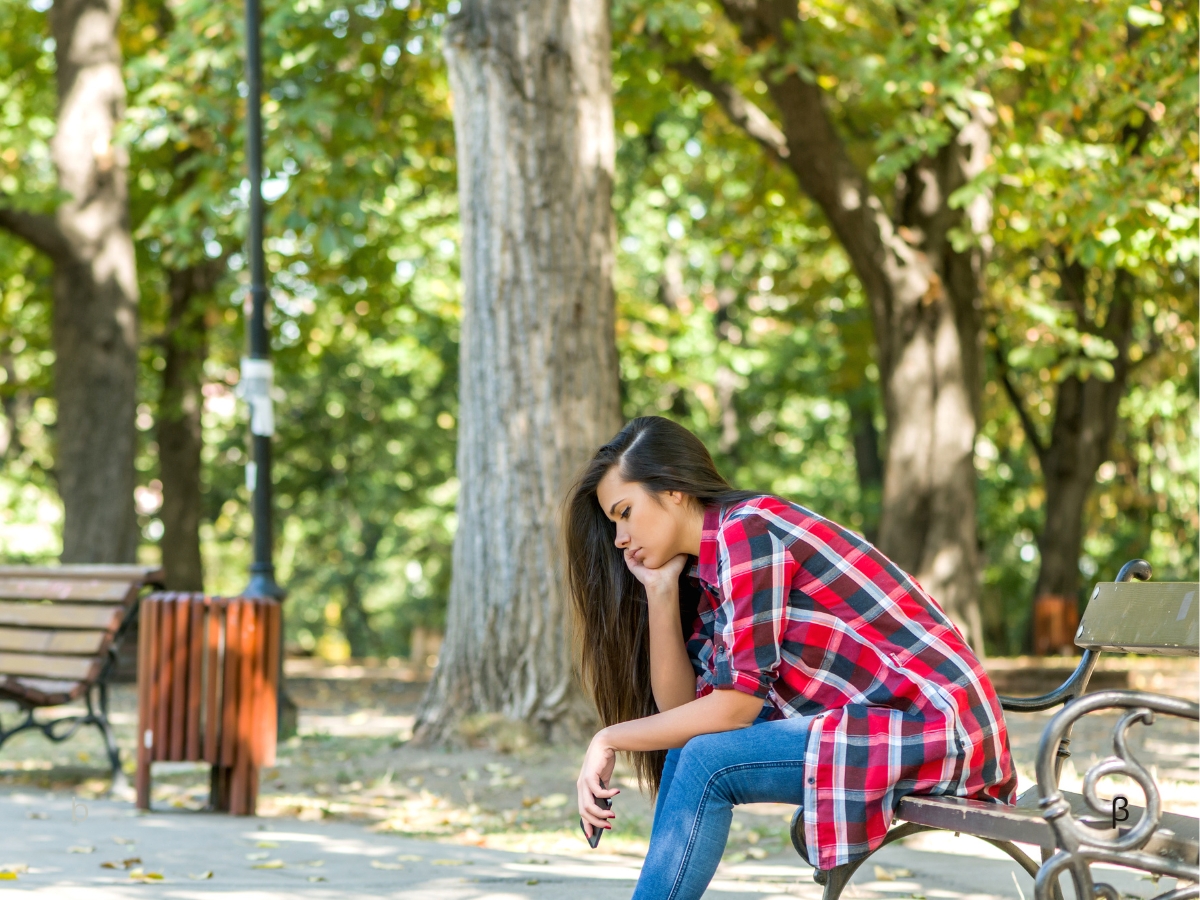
column 180, row 439
column 925, row 306
column 95, row 288
column 538, row 391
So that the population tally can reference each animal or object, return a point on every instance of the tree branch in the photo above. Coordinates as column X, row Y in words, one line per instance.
column 38, row 229
column 1027, row 423
column 741, row 111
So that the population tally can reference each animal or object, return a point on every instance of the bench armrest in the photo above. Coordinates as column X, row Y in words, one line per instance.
column 1077, row 683
column 1068, row 690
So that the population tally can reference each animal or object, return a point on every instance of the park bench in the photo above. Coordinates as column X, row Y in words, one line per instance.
column 1075, row 830
column 60, row 630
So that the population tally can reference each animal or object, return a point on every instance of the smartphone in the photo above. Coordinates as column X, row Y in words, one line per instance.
column 597, row 833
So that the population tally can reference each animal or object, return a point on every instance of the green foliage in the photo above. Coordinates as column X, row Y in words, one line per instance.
column 738, row 313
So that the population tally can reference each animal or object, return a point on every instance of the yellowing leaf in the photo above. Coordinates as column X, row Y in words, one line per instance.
column 203, row 876
column 269, row 864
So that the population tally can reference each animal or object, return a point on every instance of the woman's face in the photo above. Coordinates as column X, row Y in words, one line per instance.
column 652, row 529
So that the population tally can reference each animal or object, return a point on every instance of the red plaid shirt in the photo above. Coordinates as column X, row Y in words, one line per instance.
column 809, row 616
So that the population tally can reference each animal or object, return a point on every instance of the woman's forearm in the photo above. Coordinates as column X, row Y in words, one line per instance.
column 724, row 710
column 672, row 679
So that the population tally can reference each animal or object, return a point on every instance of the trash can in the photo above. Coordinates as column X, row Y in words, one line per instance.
column 208, row 671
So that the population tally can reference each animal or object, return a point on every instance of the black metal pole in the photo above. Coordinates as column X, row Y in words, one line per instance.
column 262, row 570
column 257, row 378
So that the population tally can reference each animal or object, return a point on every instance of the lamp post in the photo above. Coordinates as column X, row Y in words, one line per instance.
column 257, row 371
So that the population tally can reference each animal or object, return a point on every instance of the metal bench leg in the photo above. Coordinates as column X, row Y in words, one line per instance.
column 120, row 784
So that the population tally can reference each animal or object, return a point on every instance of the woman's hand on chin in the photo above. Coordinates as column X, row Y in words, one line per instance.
column 665, row 577
column 598, row 765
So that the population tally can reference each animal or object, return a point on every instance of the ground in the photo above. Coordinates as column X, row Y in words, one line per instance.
column 352, row 808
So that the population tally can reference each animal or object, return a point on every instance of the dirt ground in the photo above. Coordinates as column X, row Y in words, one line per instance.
column 353, row 760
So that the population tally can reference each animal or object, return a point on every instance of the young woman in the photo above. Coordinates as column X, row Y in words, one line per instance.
column 774, row 656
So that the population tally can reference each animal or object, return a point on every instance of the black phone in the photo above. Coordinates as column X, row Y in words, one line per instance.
column 597, row 833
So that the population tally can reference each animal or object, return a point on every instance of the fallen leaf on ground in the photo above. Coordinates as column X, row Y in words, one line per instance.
column 203, row 876
column 125, row 841
column 377, row 864
column 37, row 815
column 317, row 878
column 312, row 862
column 122, row 863
column 81, row 848
column 140, row 875
column 882, row 874
column 269, row 864
column 267, row 844
column 8, row 876
column 452, row 862
column 257, row 855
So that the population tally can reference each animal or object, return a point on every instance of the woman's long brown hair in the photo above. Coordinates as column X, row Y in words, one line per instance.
column 611, row 625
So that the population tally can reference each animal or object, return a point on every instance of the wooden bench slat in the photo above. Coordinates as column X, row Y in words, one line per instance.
column 38, row 640
column 75, row 589
column 42, row 691
column 61, row 615
column 119, row 571
column 40, row 665
column 1178, row 835
column 1155, row 618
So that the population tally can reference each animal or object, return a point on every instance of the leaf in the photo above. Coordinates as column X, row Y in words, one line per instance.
column 317, row 878
column 257, row 855
column 8, row 876
column 379, row 864
column 121, row 864
column 81, row 848
column 269, row 864
column 203, row 876
column 124, row 841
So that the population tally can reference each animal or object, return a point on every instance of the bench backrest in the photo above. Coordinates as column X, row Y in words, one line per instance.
column 1154, row 618
column 58, row 623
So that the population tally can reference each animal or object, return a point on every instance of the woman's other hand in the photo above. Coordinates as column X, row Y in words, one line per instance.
column 663, row 579
column 598, row 765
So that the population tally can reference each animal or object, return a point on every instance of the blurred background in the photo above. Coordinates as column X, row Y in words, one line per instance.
column 738, row 311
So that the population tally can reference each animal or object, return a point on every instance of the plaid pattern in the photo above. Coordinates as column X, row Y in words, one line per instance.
column 809, row 616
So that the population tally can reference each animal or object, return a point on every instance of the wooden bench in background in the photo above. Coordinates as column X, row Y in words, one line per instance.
column 60, row 630
column 207, row 678
column 1072, row 833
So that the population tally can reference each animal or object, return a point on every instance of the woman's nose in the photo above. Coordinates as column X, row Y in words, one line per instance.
column 622, row 540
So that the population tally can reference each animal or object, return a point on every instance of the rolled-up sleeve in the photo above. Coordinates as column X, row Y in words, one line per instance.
column 755, row 571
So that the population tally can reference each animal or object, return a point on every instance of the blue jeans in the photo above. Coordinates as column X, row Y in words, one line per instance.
column 701, row 784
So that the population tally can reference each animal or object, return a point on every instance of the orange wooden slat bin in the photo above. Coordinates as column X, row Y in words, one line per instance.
column 207, row 676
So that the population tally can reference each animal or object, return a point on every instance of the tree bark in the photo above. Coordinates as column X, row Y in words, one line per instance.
column 924, row 299
column 94, row 286
column 532, row 88
column 180, row 440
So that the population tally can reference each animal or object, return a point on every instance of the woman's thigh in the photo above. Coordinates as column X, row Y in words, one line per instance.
column 712, row 774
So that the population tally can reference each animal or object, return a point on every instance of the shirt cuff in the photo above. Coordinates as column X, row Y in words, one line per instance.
column 757, row 686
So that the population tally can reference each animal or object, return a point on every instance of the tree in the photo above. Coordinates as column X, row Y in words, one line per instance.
column 1097, row 207
column 95, row 312
column 917, row 251
column 538, row 369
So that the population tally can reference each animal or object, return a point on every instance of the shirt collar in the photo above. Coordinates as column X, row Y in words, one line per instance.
column 706, row 562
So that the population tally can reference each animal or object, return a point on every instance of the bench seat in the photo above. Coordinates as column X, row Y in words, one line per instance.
column 1178, row 836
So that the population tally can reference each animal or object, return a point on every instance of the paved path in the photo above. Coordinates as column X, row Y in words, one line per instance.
column 42, row 834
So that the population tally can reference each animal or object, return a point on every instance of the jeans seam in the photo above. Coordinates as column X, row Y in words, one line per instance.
column 687, row 852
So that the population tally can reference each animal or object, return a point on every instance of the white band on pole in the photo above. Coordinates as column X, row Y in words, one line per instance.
column 258, row 377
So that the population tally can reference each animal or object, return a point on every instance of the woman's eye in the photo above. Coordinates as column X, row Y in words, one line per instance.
column 625, row 513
